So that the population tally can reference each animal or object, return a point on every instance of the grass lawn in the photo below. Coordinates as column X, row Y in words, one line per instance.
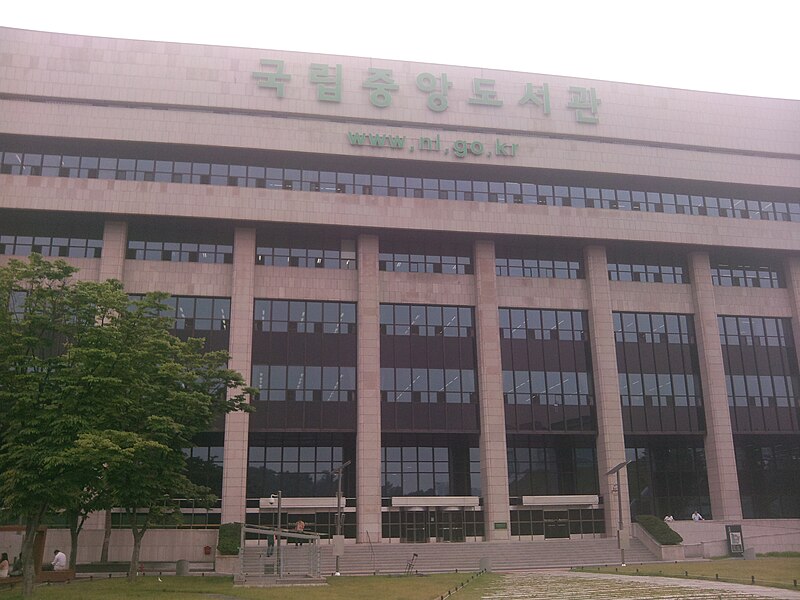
column 199, row 588
column 770, row 571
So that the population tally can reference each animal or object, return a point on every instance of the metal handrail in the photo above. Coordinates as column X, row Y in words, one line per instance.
column 372, row 551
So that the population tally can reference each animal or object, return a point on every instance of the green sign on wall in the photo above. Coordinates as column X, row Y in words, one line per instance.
column 379, row 85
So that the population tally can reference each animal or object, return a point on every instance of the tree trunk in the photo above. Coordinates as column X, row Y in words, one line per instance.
column 138, row 534
column 75, row 525
column 28, row 544
column 106, row 538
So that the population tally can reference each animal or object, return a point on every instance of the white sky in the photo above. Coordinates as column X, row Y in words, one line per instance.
column 730, row 46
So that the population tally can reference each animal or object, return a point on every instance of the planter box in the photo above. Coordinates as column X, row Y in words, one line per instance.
column 226, row 564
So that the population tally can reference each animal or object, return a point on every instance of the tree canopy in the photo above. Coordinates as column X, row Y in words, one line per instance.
column 98, row 398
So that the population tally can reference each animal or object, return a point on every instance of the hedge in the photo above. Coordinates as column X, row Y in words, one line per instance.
column 230, row 535
column 660, row 530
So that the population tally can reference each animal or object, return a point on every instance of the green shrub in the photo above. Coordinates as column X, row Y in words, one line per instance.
column 230, row 534
column 660, row 530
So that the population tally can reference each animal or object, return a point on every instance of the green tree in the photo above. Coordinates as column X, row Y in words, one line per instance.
column 43, row 315
column 98, row 398
column 172, row 390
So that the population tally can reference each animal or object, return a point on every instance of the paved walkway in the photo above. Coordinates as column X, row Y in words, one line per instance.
column 557, row 585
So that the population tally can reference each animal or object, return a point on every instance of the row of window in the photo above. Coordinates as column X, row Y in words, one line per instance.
column 657, row 388
column 305, row 316
column 762, row 276
column 180, row 252
column 668, row 476
column 548, row 387
column 755, row 331
column 196, row 313
column 326, row 254
column 515, row 262
column 509, row 192
column 655, row 328
column 647, row 273
column 552, row 471
column 519, row 323
column 418, row 320
column 769, row 477
column 304, row 383
column 425, row 263
column 539, row 268
column 430, row 471
column 428, row 386
column 73, row 247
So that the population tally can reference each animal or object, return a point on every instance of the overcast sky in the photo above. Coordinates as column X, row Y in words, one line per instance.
column 723, row 46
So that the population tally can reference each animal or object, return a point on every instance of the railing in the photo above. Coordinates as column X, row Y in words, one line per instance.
column 372, row 552
column 313, row 563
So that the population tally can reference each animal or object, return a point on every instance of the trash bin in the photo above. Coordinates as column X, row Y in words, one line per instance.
column 182, row 567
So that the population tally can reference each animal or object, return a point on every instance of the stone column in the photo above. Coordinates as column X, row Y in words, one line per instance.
column 494, row 460
column 115, row 241
column 723, row 482
column 368, row 428
column 234, row 474
column 610, row 434
column 792, row 270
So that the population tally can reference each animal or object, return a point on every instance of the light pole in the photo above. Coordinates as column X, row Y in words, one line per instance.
column 338, row 470
column 278, row 537
column 622, row 543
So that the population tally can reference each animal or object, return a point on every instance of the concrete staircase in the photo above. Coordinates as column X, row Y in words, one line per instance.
column 385, row 558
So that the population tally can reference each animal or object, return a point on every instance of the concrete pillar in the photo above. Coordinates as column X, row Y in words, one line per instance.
column 115, row 242
column 368, row 428
column 723, row 482
column 494, row 460
column 234, row 474
column 610, row 434
column 792, row 272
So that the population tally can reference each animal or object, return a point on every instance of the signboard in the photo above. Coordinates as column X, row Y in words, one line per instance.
column 733, row 533
column 435, row 90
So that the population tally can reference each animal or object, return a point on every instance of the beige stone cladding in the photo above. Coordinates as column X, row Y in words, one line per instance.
column 128, row 72
column 175, row 97
column 494, row 465
column 402, row 214
column 368, row 420
column 723, row 483
column 234, row 476
column 610, row 434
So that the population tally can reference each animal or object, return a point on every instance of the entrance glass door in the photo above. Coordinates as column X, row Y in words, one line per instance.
column 556, row 524
column 449, row 525
column 414, row 526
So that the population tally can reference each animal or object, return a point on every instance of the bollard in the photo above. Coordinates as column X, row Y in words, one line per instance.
column 716, row 575
column 752, row 578
column 795, row 583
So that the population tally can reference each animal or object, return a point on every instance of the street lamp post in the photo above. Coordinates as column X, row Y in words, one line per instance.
column 278, row 537
column 338, row 470
column 622, row 543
